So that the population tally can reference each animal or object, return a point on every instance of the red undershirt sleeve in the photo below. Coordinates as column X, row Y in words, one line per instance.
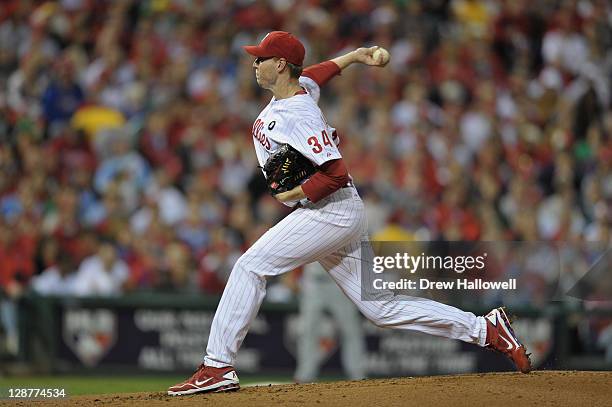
column 321, row 73
column 332, row 176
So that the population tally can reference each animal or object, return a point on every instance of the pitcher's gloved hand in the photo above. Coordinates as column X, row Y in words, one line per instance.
column 286, row 169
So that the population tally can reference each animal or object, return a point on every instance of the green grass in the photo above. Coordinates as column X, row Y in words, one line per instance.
column 76, row 385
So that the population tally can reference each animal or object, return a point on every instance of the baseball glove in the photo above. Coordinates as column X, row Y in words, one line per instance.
column 286, row 168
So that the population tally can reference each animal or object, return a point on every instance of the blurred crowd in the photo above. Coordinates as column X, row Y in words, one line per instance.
column 127, row 162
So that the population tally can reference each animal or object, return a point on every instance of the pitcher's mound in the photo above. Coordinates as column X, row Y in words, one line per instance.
column 543, row 388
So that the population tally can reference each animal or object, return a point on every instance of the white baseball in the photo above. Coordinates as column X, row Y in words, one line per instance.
column 381, row 56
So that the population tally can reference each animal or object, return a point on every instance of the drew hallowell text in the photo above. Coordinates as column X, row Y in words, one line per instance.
column 460, row 284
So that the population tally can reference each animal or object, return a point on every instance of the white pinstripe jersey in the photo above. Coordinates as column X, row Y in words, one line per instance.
column 299, row 122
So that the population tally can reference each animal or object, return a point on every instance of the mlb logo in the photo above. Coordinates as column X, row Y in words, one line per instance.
column 90, row 333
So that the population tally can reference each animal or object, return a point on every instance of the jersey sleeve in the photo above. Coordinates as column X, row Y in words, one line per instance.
column 314, row 141
column 313, row 89
column 315, row 76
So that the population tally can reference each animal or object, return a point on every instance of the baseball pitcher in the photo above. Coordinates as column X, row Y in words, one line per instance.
column 306, row 171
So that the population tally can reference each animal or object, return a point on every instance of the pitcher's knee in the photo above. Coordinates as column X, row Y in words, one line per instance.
column 251, row 265
column 243, row 268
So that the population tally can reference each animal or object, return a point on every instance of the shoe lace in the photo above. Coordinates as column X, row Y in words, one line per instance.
column 200, row 367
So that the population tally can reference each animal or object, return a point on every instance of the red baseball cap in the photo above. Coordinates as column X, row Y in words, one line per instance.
column 279, row 44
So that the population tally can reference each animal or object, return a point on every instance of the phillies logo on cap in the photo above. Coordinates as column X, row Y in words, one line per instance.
column 279, row 44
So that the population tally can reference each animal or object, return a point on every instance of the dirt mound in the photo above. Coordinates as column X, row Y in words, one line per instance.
column 546, row 388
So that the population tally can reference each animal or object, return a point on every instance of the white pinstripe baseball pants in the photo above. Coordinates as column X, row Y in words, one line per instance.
column 331, row 232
